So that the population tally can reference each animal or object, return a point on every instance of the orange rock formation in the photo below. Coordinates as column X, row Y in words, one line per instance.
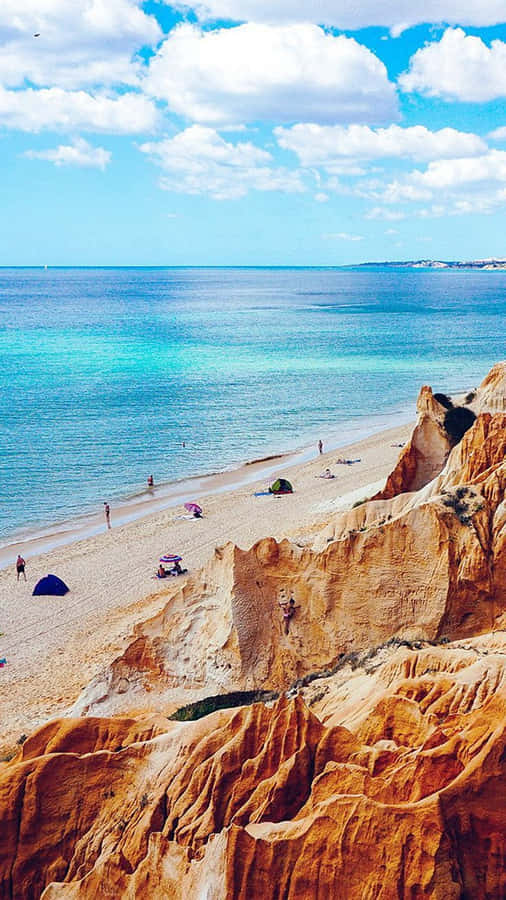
column 429, row 564
column 425, row 453
column 384, row 780
column 379, row 774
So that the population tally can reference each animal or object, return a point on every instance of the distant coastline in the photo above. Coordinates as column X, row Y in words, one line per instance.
column 488, row 264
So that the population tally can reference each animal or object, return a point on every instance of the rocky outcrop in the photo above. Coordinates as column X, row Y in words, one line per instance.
column 491, row 394
column 378, row 771
column 424, row 565
column 425, row 453
column 383, row 780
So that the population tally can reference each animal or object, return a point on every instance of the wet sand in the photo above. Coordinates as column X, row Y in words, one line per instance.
column 55, row 645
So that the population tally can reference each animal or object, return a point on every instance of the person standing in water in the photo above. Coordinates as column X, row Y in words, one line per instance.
column 107, row 511
column 20, row 567
column 151, row 482
column 320, row 446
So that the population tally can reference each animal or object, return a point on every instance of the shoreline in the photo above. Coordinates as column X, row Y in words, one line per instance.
column 54, row 646
column 33, row 541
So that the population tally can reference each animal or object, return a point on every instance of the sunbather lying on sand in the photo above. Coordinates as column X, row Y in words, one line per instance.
column 346, row 462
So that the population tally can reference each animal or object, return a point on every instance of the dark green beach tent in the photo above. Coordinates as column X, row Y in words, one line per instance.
column 281, row 486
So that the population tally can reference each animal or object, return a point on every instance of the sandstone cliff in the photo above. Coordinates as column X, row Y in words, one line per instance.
column 378, row 772
column 429, row 564
column 426, row 452
column 383, row 780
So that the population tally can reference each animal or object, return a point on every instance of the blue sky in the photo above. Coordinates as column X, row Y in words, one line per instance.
column 243, row 132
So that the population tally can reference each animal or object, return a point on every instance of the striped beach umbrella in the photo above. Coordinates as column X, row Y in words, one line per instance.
column 193, row 507
column 170, row 558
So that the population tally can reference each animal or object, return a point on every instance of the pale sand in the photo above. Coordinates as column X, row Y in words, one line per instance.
column 55, row 645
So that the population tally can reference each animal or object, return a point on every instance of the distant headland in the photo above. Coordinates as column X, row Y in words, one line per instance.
column 492, row 263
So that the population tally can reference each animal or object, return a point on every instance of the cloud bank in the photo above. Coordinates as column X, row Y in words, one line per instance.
column 348, row 14
column 199, row 161
column 459, row 67
column 79, row 153
column 272, row 73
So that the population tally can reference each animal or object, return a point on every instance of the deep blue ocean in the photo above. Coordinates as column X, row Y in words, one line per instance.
column 105, row 372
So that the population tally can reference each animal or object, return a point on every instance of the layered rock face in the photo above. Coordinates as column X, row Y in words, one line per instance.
column 491, row 394
column 378, row 774
column 426, row 452
column 429, row 564
column 383, row 780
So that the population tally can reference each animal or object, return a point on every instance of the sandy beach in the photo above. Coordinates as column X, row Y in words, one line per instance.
column 54, row 646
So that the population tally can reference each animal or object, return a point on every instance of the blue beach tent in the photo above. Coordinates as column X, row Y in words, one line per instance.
column 50, row 586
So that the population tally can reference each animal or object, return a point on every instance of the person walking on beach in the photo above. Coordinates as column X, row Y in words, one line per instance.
column 320, row 446
column 107, row 511
column 20, row 567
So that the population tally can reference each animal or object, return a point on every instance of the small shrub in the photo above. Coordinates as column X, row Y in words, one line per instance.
column 457, row 421
column 463, row 503
column 144, row 801
column 443, row 400
column 221, row 701
column 317, row 697
column 21, row 739
column 7, row 758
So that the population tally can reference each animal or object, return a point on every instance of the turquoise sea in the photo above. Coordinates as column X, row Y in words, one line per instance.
column 105, row 372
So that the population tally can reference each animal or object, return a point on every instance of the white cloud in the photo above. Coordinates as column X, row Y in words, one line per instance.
column 498, row 135
column 321, row 197
column 348, row 14
column 451, row 174
column 199, row 161
column 275, row 73
column 342, row 236
column 460, row 67
column 56, row 109
column 79, row 153
column 81, row 43
column 329, row 145
column 389, row 215
column 450, row 186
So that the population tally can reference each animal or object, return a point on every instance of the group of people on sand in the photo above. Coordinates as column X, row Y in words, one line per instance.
column 341, row 460
column 166, row 573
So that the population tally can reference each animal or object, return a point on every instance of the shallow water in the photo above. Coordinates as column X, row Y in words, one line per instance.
column 105, row 372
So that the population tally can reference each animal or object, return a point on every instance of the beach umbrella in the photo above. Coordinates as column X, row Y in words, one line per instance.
column 170, row 558
column 193, row 507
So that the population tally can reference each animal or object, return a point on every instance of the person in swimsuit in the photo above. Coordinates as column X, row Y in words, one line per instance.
column 20, row 567
column 151, row 482
column 320, row 446
column 288, row 610
column 107, row 511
